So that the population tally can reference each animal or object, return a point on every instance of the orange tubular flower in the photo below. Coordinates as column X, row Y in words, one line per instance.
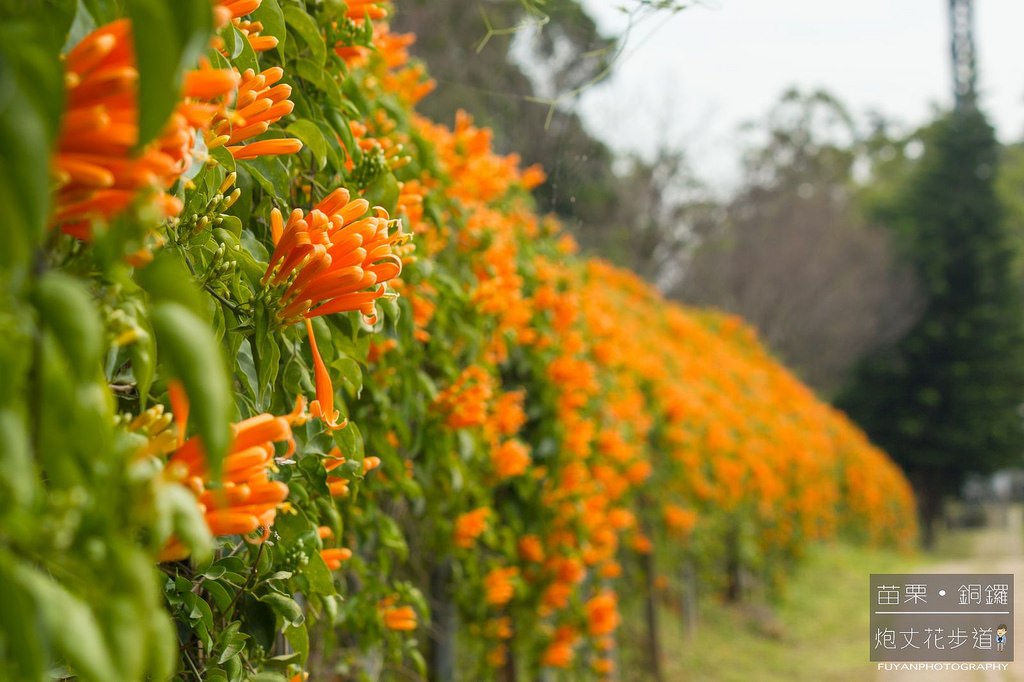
column 334, row 557
column 332, row 260
column 358, row 9
column 398, row 617
column 602, row 614
column 259, row 104
column 511, row 458
column 234, row 10
column 465, row 402
column 98, row 171
column 559, row 653
column 499, row 586
column 245, row 499
column 470, row 525
column 530, row 548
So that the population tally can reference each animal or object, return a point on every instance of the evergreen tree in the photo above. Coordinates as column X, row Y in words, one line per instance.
column 943, row 401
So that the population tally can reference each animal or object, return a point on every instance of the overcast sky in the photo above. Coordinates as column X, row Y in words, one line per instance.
column 690, row 79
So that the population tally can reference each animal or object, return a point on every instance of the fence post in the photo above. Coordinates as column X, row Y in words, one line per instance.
column 443, row 625
column 651, row 608
column 689, row 597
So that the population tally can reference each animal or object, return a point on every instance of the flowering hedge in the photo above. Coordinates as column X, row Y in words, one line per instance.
column 285, row 364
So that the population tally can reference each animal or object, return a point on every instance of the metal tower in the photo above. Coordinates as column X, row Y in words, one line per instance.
column 961, row 22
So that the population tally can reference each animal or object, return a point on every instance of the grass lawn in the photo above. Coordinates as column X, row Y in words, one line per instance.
column 816, row 631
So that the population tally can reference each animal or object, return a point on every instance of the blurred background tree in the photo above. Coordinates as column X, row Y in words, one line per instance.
column 794, row 254
column 517, row 67
column 491, row 80
column 944, row 399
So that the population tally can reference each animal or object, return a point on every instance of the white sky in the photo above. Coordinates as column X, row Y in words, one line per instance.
column 690, row 79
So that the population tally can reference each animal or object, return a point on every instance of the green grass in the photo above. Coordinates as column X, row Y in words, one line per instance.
column 816, row 631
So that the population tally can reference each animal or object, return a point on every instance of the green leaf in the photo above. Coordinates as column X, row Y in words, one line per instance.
column 22, row 635
column 270, row 173
column 102, row 11
column 350, row 441
column 392, row 538
column 232, row 40
column 313, row 73
column 268, row 677
column 306, row 29
column 285, row 606
column 232, row 642
column 168, row 38
column 269, row 14
column 226, row 160
column 71, row 625
column 350, row 373
column 31, row 103
column 298, row 637
column 126, row 634
column 18, row 482
column 187, row 521
column 269, row 364
column 246, row 57
column 143, row 356
column 192, row 352
column 312, row 137
column 66, row 308
column 313, row 468
column 340, row 126
column 221, row 597
column 163, row 650
column 259, row 620
column 167, row 279
column 319, row 576
column 384, row 191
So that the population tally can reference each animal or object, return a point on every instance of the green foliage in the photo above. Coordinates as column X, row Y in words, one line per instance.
column 944, row 399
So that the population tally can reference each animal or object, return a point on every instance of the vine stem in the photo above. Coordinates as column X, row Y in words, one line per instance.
column 248, row 581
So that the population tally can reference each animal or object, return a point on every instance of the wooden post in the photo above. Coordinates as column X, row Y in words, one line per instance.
column 653, row 634
column 509, row 672
column 689, row 597
column 444, row 625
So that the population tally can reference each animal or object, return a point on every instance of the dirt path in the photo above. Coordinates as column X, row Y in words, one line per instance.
column 996, row 549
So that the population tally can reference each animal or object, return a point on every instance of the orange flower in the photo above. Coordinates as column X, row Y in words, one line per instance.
column 499, row 586
column 234, row 10
column 469, row 526
column 511, row 458
column 334, row 557
column 336, row 484
column 680, row 521
column 98, row 170
column 507, row 415
column 332, row 261
column 642, row 544
column 497, row 656
column 245, row 499
column 559, row 653
column 465, row 402
column 399, row 617
column 358, row 9
column 602, row 614
column 392, row 47
column 259, row 104
column 531, row 548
